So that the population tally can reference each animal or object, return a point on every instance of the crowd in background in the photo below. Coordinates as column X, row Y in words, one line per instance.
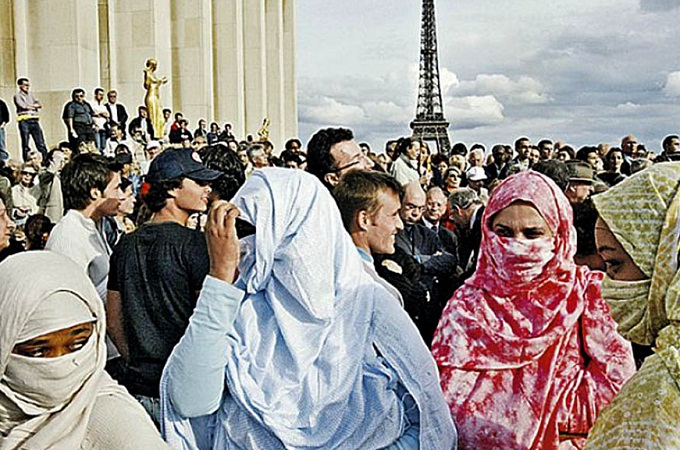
column 489, row 263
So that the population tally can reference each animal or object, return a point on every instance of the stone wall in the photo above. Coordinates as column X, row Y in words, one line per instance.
column 227, row 60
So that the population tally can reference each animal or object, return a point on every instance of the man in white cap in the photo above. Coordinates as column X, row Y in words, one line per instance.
column 476, row 176
column 153, row 148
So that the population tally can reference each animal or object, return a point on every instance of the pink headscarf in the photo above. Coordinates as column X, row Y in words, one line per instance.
column 511, row 352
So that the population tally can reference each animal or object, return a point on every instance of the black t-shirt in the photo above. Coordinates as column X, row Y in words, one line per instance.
column 158, row 270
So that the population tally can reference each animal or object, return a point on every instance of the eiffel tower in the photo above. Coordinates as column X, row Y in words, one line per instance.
column 430, row 124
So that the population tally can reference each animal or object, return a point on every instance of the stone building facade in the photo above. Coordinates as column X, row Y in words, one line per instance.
column 227, row 60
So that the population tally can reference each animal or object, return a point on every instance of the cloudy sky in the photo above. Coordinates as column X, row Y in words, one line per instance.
column 581, row 71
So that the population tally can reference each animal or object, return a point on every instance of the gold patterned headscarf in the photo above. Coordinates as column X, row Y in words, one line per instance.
column 642, row 213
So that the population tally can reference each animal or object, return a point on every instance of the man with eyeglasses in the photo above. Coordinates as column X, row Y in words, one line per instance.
column 79, row 119
column 117, row 112
column 332, row 152
column 28, row 108
column 439, row 268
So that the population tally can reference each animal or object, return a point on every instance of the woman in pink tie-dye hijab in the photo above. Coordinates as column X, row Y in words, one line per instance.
column 527, row 351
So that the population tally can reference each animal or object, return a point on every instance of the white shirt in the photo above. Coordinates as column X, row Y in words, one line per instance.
column 78, row 238
column 99, row 121
column 114, row 112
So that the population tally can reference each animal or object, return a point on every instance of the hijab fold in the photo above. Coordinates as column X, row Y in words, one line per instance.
column 643, row 214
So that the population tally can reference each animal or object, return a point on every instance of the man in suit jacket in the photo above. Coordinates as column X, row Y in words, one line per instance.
column 435, row 209
column 499, row 167
column 117, row 112
column 439, row 268
column 466, row 211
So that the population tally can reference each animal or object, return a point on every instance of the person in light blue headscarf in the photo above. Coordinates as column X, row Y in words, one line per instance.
column 304, row 349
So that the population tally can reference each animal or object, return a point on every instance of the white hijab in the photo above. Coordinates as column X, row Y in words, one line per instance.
column 42, row 292
column 303, row 358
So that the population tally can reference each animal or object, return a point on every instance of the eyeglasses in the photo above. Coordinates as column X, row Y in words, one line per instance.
column 346, row 166
column 27, row 173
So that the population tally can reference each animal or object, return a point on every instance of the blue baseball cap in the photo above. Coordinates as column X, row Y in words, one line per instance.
column 175, row 163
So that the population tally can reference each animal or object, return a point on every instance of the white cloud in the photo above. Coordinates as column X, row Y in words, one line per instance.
column 522, row 91
column 447, row 79
column 672, row 87
column 572, row 74
column 386, row 112
column 473, row 111
column 628, row 107
column 326, row 110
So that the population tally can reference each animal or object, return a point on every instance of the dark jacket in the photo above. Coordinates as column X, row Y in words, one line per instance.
column 424, row 245
column 403, row 272
column 470, row 240
column 493, row 172
column 4, row 112
column 439, row 268
column 122, row 115
column 178, row 135
column 137, row 123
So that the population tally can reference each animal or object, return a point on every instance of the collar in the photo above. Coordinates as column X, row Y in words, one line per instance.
column 80, row 217
column 429, row 224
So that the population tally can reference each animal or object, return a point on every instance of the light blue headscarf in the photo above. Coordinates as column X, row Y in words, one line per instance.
column 318, row 349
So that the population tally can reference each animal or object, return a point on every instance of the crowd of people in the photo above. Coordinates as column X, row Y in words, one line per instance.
column 194, row 291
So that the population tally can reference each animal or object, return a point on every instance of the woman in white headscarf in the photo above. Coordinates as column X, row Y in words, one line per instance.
column 54, row 393
column 305, row 349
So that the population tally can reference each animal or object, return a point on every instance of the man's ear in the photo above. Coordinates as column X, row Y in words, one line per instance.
column 172, row 194
column 95, row 193
column 331, row 178
column 363, row 220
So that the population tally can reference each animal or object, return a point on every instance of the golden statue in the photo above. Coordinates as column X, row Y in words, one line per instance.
column 152, row 99
column 263, row 132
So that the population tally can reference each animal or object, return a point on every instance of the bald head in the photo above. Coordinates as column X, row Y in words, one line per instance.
column 435, row 203
column 413, row 204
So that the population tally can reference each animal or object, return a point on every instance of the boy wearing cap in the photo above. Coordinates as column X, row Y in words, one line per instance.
column 157, row 272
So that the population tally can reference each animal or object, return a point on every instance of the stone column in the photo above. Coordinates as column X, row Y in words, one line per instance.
column 139, row 29
column 8, row 73
column 192, row 73
column 56, row 47
column 275, row 70
column 228, row 64
column 255, row 64
column 289, row 73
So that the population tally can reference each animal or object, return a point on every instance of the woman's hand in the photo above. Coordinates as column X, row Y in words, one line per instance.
column 223, row 245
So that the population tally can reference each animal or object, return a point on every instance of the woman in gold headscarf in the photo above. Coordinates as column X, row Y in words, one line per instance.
column 638, row 236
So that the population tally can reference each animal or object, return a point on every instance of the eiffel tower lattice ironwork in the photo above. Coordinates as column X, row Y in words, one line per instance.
column 430, row 124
